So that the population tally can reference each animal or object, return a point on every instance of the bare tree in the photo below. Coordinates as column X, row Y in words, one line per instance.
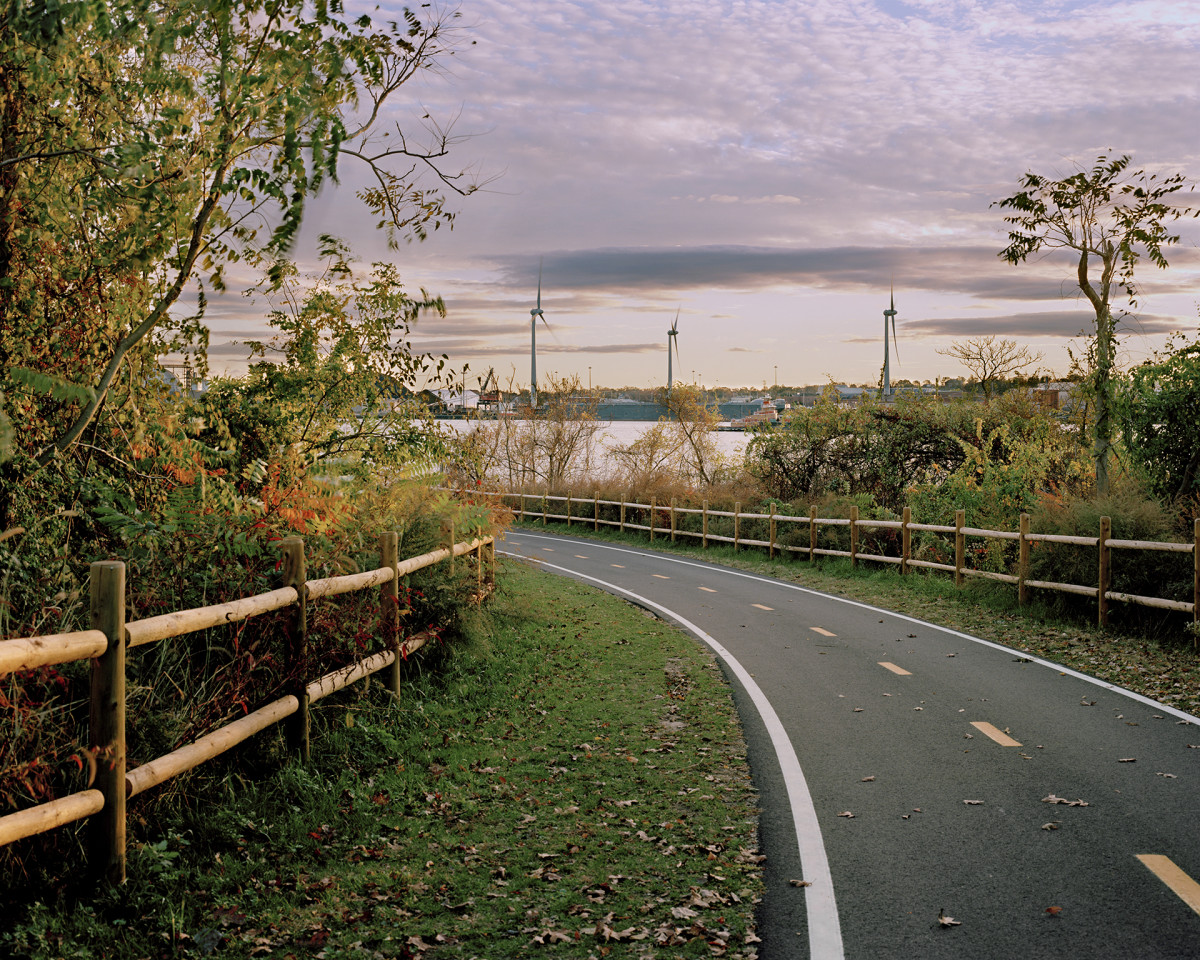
column 989, row 359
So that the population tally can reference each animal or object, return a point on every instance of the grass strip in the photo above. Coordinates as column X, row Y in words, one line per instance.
column 1146, row 653
column 571, row 780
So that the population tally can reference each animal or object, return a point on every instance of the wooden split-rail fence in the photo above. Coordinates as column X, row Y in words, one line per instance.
column 111, row 636
column 663, row 519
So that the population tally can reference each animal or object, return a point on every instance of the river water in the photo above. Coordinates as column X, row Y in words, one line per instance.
column 621, row 433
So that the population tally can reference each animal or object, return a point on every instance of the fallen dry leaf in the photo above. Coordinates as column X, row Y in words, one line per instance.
column 1127, row 760
column 800, row 883
column 1054, row 911
column 1070, row 803
column 972, row 803
column 867, row 779
column 1169, row 776
column 846, row 813
column 946, row 921
column 1052, row 825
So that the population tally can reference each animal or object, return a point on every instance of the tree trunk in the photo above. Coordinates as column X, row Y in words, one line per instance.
column 1102, row 438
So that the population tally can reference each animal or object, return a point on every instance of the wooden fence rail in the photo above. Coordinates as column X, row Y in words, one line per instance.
column 107, row 643
column 655, row 518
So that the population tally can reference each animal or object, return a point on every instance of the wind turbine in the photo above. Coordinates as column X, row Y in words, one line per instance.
column 889, row 314
column 534, row 315
column 672, row 338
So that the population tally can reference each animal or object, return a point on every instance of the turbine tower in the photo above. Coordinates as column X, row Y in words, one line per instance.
column 672, row 338
column 889, row 314
column 534, row 315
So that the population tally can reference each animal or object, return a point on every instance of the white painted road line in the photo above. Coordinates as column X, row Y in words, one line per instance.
column 824, row 927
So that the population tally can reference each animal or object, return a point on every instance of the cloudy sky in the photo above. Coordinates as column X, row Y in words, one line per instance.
column 768, row 168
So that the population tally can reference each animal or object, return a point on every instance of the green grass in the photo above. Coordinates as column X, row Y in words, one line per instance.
column 569, row 780
column 1143, row 651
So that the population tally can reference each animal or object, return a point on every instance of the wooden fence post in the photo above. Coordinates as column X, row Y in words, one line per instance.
column 389, row 602
column 771, row 534
column 854, row 535
column 568, row 509
column 653, row 504
column 672, row 519
column 622, row 513
column 960, row 545
column 704, row 524
column 905, row 540
column 106, row 720
column 295, row 575
column 522, row 504
column 596, row 503
column 1023, row 561
column 451, row 533
column 479, row 572
column 545, row 509
column 812, row 533
column 737, row 524
column 1105, row 573
column 1195, row 577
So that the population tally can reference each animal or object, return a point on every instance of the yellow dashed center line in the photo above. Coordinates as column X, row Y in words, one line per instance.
column 580, row 556
column 659, row 576
column 548, row 549
column 708, row 589
column 895, row 669
column 822, row 631
column 999, row 736
column 617, row 565
column 1187, row 889
column 761, row 607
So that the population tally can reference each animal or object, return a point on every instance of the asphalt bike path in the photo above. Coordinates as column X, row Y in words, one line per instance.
column 928, row 794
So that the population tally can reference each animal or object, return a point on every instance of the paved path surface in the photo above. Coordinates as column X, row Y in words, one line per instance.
column 949, row 751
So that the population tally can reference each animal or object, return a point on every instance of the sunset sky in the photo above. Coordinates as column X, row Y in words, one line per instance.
column 768, row 168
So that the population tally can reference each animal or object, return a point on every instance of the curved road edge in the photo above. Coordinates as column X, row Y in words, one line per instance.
column 824, row 929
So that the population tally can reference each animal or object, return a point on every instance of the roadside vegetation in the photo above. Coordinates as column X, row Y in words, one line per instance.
column 993, row 458
column 568, row 778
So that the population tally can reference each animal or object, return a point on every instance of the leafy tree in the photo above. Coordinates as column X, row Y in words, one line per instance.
column 888, row 451
column 335, row 383
column 1160, row 408
column 145, row 146
column 1110, row 216
column 990, row 360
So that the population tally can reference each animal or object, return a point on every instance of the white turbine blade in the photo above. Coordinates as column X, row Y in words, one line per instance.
column 675, row 325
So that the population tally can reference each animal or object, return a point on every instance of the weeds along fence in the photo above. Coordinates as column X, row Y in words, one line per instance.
column 111, row 636
column 783, row 534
